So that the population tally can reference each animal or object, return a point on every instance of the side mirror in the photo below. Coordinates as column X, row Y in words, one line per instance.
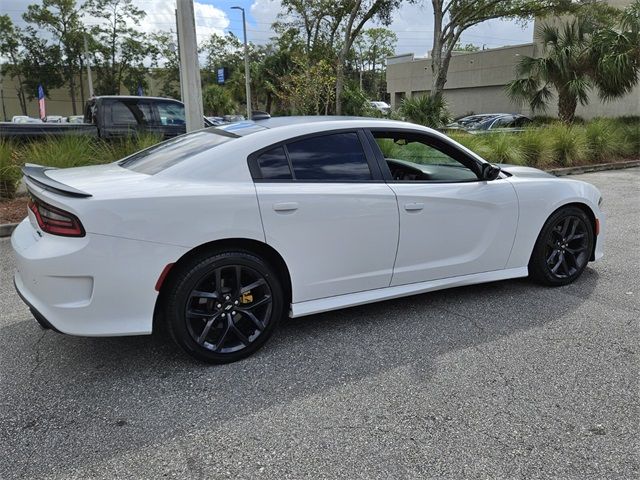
column 490, row 171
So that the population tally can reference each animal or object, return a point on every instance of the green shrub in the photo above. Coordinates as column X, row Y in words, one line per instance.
column 475, row 143
column 118, row 149
column 61, row 152
column 355, row 102
column 535, row 147
column 605, row 140
column 631, row 134
column 568, row 143
column 504, row 148
column 9, row 169
column 426, row 110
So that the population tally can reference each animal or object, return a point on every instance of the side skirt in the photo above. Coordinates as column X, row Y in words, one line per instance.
column 360, row 298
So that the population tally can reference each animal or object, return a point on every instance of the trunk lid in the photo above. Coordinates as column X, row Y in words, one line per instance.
column 83, row 182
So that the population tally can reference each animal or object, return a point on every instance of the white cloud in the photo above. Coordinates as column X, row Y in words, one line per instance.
column 160, row 16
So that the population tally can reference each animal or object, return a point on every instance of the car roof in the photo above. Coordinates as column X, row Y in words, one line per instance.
column 247, row 127
column 133, row 97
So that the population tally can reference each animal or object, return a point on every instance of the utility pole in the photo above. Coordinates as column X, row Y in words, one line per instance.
column 247, row 78
column 178, row 50
column 189, row 68
column 86, row 59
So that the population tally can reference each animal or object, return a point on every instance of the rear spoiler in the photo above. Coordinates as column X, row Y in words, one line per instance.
column 37, row 175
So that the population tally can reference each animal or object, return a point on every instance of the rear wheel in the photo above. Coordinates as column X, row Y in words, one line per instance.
column 223, row 307
column 563, row 248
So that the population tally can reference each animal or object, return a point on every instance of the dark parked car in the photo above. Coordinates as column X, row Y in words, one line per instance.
column 502, row 123
column 113, row 117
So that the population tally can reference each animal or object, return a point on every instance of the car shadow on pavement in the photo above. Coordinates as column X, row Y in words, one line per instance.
column 89, row 399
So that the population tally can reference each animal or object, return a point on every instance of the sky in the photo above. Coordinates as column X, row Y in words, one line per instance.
column 412, row 23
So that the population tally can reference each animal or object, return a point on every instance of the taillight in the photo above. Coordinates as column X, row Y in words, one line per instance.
column 54, row 220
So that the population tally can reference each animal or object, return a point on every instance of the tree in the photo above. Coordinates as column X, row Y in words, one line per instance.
column 426, row 110
column 309, row 89
column 453, row 17
column 358, row 13
column 119, row 48
column 166, row 59
column 371, row 49
column 218, row 101
column 10, row 48
column 335, row 23
column 581, row 55
column 62, row 19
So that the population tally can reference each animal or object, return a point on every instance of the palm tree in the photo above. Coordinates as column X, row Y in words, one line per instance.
column 426, row 110
column 579, row 56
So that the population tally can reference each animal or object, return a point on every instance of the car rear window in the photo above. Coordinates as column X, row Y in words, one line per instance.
column 171, row 152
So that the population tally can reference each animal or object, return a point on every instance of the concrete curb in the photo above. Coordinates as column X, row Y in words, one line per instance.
column 7, row 229
column 559, row 172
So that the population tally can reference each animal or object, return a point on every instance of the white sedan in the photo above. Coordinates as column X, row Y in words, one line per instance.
column 218, row 234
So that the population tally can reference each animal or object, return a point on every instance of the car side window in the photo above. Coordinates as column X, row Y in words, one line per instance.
column 274, row 164
column 130, row 113
column 412, row 157
column 171, row 113
column 334, row 157
column 503, row 122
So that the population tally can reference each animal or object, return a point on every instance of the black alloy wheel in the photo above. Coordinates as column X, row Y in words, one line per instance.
column 224, row 307
column 563, row 248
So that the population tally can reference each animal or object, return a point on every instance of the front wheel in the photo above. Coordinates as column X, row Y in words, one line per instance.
column 563, row 248
column 223, row 307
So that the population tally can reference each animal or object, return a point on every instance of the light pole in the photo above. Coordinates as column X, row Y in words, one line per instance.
column 247, row 78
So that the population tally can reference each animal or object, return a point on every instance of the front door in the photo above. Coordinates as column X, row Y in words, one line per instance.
column 451, row 222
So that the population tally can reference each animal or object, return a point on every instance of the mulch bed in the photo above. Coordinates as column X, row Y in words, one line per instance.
column 13, row 211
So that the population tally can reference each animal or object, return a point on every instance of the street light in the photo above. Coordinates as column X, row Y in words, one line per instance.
column 247, row 78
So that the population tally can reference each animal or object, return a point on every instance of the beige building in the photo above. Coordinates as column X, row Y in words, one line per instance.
column 476, row 82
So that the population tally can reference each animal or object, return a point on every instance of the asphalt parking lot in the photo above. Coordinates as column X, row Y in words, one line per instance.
column 502, row 381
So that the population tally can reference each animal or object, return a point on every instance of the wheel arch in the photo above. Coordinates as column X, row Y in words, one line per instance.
column 255, row 247
column 588, row 212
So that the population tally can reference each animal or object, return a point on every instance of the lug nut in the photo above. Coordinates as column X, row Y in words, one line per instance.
column 236, row 302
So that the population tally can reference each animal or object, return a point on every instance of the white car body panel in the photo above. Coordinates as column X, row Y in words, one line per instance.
column 96, row 285
column 453, row 229
column 341, row 238
column 361, row 298
column 338, row 253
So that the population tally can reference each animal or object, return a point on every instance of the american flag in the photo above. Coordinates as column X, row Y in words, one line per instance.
column 43, row 110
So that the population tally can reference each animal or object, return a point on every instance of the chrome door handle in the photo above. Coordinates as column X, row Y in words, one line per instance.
column 285, row 206
column 413, row 206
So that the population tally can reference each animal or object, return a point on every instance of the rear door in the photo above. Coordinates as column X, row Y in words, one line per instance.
column 328, row 212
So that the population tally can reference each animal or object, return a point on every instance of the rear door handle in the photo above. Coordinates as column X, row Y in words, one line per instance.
column 285, row 206
column 413, row 206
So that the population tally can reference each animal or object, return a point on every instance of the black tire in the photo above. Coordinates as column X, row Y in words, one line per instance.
column 563, row 248
column 204, row 295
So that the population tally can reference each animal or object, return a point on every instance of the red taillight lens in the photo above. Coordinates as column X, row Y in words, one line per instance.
column 54, row 220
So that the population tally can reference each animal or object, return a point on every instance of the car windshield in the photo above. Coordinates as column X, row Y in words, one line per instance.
column 171, row 152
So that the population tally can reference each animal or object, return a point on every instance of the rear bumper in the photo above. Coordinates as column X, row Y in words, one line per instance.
column 43, row 322
column 96, row 285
